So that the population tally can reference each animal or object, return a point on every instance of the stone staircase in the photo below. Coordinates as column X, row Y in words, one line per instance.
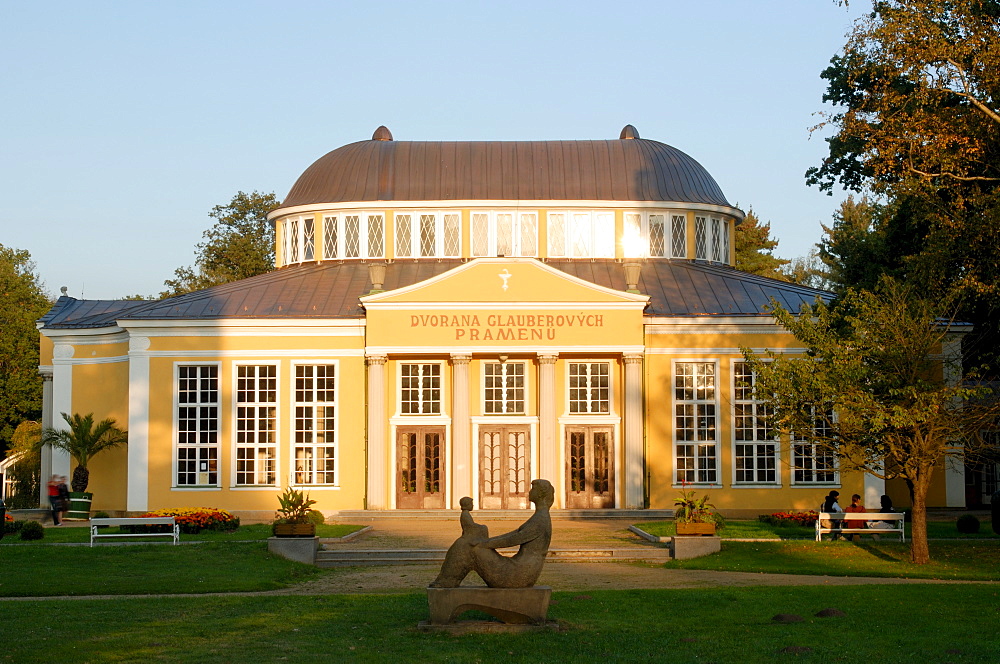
column 364, row 557
column 361, row 516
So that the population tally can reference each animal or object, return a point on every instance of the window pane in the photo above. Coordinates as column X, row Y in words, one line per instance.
column 352, row 236
column 656, row 235
column 330, row 249
column 505, row 234
column 678, row 236
column 557, row 234
column 403, row 243
column 604, row 235
column 428, row 233
column 452, row 235
column 308, row 240
column 376, row 236
column 529, row 235
column 700, row 238
column 480, row 234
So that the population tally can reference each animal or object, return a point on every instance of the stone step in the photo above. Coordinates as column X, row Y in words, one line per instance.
column 363, row 557
column 504, row 515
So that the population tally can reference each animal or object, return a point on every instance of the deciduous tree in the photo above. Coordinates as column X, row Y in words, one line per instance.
column 22, row 302
column 239, row 245
column 882, row 374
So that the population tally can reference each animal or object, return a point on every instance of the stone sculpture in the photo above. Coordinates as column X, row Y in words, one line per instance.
column 476, row 551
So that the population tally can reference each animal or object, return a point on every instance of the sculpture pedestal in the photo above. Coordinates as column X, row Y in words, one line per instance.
column 516, row 606
column 299, row 549
column 695, row 547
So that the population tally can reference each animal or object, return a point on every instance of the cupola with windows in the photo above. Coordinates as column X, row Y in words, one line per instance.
column 384, row 199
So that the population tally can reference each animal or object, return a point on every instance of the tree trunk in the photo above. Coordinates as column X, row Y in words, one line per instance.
column 920, row 552
column 81, row 478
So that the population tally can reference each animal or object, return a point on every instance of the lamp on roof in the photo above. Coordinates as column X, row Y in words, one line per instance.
column 376, row 273
column 632, row 271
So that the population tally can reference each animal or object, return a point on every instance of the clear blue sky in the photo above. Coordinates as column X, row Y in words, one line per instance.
column 123, row 123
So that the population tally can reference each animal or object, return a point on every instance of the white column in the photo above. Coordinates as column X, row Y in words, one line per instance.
column 634, row 495
column 62, row 402
column 548, row 445
column 46, row 453
column 377, row 495
column 461, row 425
column 137, row 497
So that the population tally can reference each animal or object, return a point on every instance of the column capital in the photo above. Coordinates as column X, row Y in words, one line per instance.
column 375, row 359
column 548, row 358
column 45, row 373
column 632, row 358
column 461, row 358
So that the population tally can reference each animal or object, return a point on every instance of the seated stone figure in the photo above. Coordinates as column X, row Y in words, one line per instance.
column 474, row 552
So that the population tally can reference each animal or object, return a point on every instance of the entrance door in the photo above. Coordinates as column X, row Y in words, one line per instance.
column 590, row 476
column 504, row 467
column 419, row 474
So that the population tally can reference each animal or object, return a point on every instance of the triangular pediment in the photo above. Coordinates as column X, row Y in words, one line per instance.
column 507, row 281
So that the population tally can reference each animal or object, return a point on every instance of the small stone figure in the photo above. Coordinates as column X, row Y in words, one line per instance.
column 475, row 551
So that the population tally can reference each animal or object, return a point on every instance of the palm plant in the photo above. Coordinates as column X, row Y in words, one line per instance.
column 83, row 440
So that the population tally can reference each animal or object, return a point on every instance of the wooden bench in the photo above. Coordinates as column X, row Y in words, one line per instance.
column 854, row 523
column 96, row 523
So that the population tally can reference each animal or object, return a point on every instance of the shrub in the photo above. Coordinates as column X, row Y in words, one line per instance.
column 967, row 524
column 100, row 515
column 315, row 516
column 803, row 519
column 32, row 530
column 10, row 525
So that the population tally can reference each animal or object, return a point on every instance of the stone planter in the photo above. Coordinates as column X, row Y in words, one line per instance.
column 294, row 530
column 695, row 528
column 299, row 549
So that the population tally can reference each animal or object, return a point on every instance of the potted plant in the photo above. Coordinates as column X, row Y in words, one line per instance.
column 292, row 518
column 83, row 440
column 695, row 516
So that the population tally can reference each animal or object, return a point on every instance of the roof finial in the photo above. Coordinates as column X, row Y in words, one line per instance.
column 629, row 132
column 382, row 134
column 63, row 290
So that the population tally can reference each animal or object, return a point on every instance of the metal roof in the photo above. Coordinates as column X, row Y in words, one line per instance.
column 331, row 290
column 627, row 169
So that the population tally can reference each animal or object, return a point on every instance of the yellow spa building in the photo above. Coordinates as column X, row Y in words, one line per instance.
column 456, row 318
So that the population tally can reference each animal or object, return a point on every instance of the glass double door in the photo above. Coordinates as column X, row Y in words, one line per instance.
column 590, row 472
column 504, row 467
column 419, row 469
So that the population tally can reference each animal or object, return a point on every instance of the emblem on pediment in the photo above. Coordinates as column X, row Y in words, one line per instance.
column 505, row 277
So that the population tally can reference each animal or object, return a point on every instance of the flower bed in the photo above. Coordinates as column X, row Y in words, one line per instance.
column 803, row 519
column 9, row 525
column 193, row 520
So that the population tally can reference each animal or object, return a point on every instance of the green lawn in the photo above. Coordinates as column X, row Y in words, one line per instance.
column 757, row 530
column 892, row 624
column 256, row 531
column 975, row 561
column 145, row 569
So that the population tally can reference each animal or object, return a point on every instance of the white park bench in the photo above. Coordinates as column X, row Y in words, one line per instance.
column 853, row 523
column 175, row 529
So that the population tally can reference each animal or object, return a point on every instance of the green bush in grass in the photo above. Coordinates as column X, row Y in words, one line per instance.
column 32, row 530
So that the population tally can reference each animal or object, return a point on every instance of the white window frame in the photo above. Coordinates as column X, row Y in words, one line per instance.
column 757, row 409
column 699, row 445
column 177, row 445
column 237, row 446
column 506, row 399
column 339, row 248
column 415, row 226
column 701, row 238
column 314, row 445
column 600, row 233
column 794, row 445
column 609, row 398
column 440, row 389
column 517, row 235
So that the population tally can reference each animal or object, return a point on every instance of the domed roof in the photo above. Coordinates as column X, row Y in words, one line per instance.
column 383, row 169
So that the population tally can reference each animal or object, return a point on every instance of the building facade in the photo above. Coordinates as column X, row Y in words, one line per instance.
column 457, row 318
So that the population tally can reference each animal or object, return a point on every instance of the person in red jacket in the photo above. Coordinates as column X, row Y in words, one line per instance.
column 54, row 500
